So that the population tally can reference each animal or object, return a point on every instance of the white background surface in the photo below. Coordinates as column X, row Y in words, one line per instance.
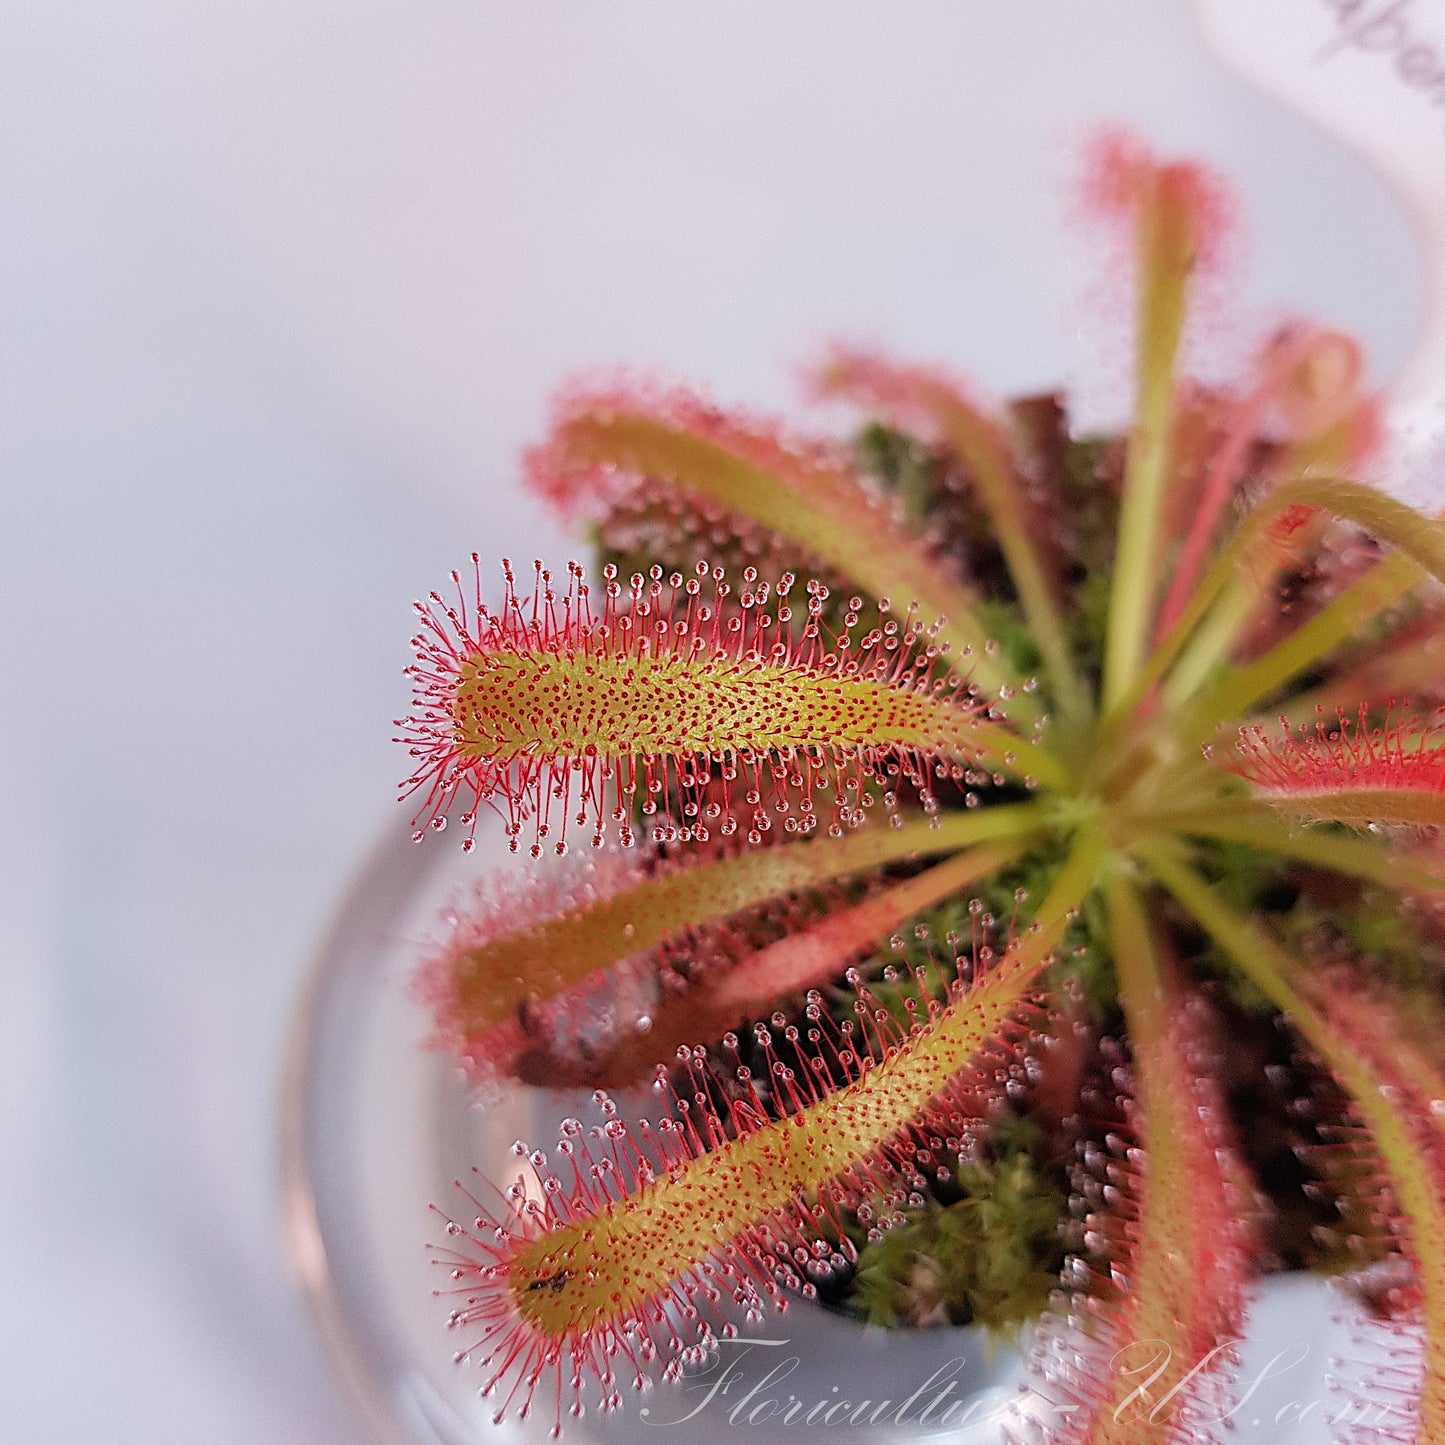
column 282, row 291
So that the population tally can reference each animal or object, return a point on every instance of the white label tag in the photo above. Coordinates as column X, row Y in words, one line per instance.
column 1372, row 73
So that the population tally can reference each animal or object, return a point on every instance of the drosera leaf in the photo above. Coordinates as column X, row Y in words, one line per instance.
column 782, row 971
column 657, row 1226
column 519, row 956
column 1419, row 543
column 1267, row 531
column 778, row 971
column 1338, row 624
column 1176, row 214
column 1417, row 538
column 1253, row 598
column 1355, row 771
column 1387, row 662
column 1357, row 1045
column 1255, row 824
column 930, row 403
column 515, row 950
column 1401, row 1361
column 608, row 442
column 1310, row 377
column 553, row 714
column 1170, row 1223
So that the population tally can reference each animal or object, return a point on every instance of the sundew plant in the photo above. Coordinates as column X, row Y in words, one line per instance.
column 1012, row 857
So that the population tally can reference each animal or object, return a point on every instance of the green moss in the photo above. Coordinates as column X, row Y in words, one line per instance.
column 989, row 1257
column 1088, row 621
column 1002, row 622
column 919, row 966
column 901, row 464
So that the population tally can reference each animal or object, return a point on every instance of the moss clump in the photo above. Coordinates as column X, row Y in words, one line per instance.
column 989, row 1256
